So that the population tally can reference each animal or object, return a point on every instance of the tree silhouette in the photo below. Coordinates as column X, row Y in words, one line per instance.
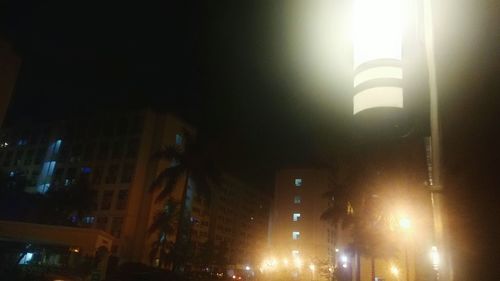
column 164, row 226
column 192, row 166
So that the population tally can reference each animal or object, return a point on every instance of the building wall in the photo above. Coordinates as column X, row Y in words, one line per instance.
column 300, row 191
column 115, row 150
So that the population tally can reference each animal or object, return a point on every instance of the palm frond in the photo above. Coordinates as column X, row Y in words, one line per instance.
column 169, row 152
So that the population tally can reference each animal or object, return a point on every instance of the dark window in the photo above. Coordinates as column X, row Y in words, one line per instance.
column 132, row 148
column 103, row 151
column 127, row 173
column 116, row 226
column 76, row 153
column 121, row 203
column 8, row 158
column 40, row 155
column 111, row 174
column 117, row 152
column 29, row 157
column 136, row 126
column 97, row 175
column 107, row 197
column 121, row 127
column 88, row 155
column 102, row 223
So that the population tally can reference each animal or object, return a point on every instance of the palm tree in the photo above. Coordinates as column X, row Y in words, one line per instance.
column 191, row 166
column 365, row 214
column 164, row 225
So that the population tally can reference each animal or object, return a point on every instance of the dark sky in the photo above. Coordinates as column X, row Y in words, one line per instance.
column 223, row 65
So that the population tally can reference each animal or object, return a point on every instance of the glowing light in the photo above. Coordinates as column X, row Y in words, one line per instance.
column 405, row 223
column 297, row 262
column 26, row 259
column 394, row 270
column 377, row 49
column 285, row 262
column 312, row 267
column 343, row 258
column 377, row 30
column 247, row 268
column 435, row 258
column 344, row 265
column 336, row 250
column 378, row 97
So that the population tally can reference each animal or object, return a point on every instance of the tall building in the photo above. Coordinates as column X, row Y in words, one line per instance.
column 239, row 217
column 9, row 68
column 296, row 230
column 114, row 150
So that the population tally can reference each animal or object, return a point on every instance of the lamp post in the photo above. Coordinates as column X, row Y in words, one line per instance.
column 378, row 75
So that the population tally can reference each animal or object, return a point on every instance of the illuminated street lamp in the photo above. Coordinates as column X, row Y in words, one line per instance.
column 377, row 50
column 394, row 271
column 377, row 41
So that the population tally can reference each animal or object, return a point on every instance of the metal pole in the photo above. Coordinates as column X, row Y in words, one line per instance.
column 435, row 186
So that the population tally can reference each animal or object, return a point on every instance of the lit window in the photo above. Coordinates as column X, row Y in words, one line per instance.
column 296, row 216
column 86, row 170
column 298, row 182
column 88, row 219
column 178, row 139
column 26, row 259
column 297, row 199
column 295, row 253
column 295, row 235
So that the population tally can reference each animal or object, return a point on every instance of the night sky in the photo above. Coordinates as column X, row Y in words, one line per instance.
column 227, row 67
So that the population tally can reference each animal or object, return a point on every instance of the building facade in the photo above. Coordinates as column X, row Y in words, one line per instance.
column 114, row 150
column 296, row 231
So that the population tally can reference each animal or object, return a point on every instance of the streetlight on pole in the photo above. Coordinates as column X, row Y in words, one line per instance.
column 378, row 75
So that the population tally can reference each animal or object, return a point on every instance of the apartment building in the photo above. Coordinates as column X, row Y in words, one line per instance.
column 296, row 230
column 115, row 149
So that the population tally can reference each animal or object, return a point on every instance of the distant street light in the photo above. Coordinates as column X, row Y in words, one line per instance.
column 394, row 271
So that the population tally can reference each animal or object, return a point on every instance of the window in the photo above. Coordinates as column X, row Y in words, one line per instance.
column 298, row 182
column 97, row 175
column 102, row 223
column 295, row 235
column 29, row 157
column 88, row 155
column 122, row 200
column 116, row 226
column 296, row 216
column 297, row 199
column 117, row 150
column 103, row 151
column 127, row 173
column 132, row 148
column 112, row 174
column 107, row 197
column 88, row 220
column 178, row 139
column 7, row 159
column 86, row 170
